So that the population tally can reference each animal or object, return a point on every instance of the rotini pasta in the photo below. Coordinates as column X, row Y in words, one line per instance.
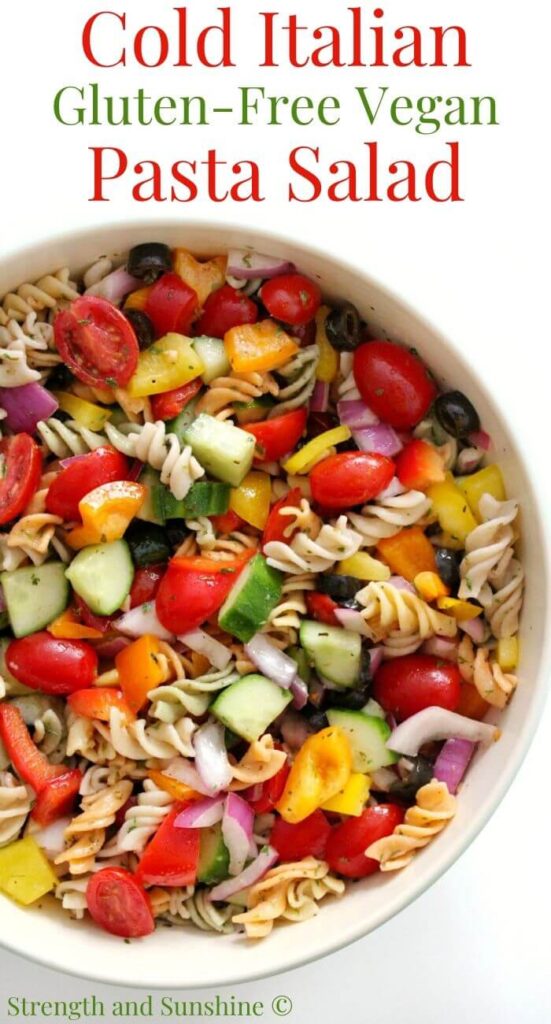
column 151, row 444
column 223, row 392
column 15, row 806
column 86, row 833
column 391, row 613
column 47, row 294
column 140, row 821
column 387, row 516
column 300, row 371
column 334, row 543
column 489, row 547
column 433, row 810
column 290, row 892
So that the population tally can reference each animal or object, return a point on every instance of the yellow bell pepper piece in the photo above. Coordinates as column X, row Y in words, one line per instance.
column 93, row 417
column 312, row 452
column 328, row 365
column 68, row 627
column 167, row 364
column 487, row 481
column 429, row 586
column 106, row 512
column 450, row 506
column 320, row 770
column 25, row 874
column 139, row 668
column 363, row 567
column 507, row 653
column 462, row 611
column 258, row 348
column 408, row 553
column 138, row 300
column 251, row 500
column 204, row 277
column 352, row 799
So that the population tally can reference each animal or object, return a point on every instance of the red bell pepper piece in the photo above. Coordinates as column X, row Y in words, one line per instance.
column 322, row 607
column 55, row 786
column 169, row 404
column 172, row 856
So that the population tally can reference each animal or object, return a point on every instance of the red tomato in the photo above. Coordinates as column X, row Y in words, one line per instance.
column 87, row 617
column 350, row 478
column 345, row 851
column 407, row 685
column 393, row 382
column 227, row 522
column 419, row 465
column 224, row 309
column 172, row 856
column 102, row 466
column 58, row 798
column 22, row 464
column 97, row 703
column 307, row 839
column 193, row 589
column 170, row 404
column 119, row 904
column 170, row 305
column 322, row 607
column 56, row 786
column 53, row 666
column 272, row 791
column 277, row 524
column 275, row 438
column 96, row 342
column 293, row 298
column 146, row 583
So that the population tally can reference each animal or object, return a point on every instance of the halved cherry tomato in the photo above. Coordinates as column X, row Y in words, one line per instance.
column 170, row 404
column 55, row 785
column 57, row 799
column 119, row 904
column 272, row 791
column 419, row 465
column 172, row 856
column 170, row 305
column 97, row 702
column 276, row 438
column 53, row 666
column 193, row 589
column 404, row 686
column 277, row 524
column 147, row 580
column 393, row 382
column 21, row 466
column 471, row 704
column 96, row 342
column 306, row 839
column 227, row 522
column 345, row 850
column 350, row 478
column 293, row 298
column 226, row 308
column 322, row 607
column 84, row 474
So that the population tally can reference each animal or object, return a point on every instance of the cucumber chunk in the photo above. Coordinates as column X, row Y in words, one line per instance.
column 181, row 422
column 250, row 706
column 102, row 576
column 214, row 858
column 213, row 356
column 204, row 498
column 150, row 479
column 225, row 451
column 249, row 603
column 367, row 735
column 335, row 653
column 35, row 596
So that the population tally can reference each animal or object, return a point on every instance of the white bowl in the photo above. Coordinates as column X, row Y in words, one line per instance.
column 185, row 958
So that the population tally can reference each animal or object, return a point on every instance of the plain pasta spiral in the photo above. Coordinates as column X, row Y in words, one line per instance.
column 390, row 612
column 433, row 810
column 289, row 892
column 15, row 806
column 387, row 516
column 334, row 543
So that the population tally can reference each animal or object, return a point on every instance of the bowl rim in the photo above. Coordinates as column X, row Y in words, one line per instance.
column 520, row 448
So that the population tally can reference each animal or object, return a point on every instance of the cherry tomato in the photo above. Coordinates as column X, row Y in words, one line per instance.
column 21, row 466
column 419, row 465
column 170, row 404
column 272, row 791
column 227, row 522
column 393, row 382
column 275, row 438
column 277, row 524
column 322, row 607
column 306, row 839
column 102, row 466
column 193, row 589
column 96, row 342
column 43, row 662
column 119, row 904
column 87, row 617
column 345, row 851
column 170, row 305
column 293, row 298
column 407, row 685
column 146, row 583
column 172, row 856
column 350, row 478
column 471, row 704
column 224, row 309
column 97, row 702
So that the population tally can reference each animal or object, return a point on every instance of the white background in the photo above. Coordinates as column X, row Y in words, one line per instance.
column 476, row 945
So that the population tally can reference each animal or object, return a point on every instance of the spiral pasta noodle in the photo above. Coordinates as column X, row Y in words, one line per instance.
column 387, row 516
column 140, row 741
column 188, row 906
column 172, row 701
column 33, row 534
column 289, row 892
column 47, row 294
column 494, row 685
column 69, row 438
column 15, row 806
column 488, row 545
column 86, row 832
column 151, row 444
column 97, row 777
column 284, row 620
column 389, row 612
column 223, row 392
column 140, row 822
column 300, row 371
column 334, row 543
column 261, row 762
column 503, row 606
column 434, row 809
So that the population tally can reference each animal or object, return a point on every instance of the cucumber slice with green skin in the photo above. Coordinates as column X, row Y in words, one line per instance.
column 204, row 498
column 181, row 422
column 368, row 735
column 301, row 658
column 148, row 543
column 225, row 451
column 213, row 356
column 214, row 858
column 35, row 596
column 102, row 576
column 250, row 706
column 255, row 410
column 249, row 603
column 335, row 653
column 150, row 479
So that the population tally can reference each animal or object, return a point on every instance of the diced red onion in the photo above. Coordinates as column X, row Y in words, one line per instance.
column 135, row 470
column 352, row 620
column 184, row 771
column 436, row 723
column 379, row 438
column 441, row 647
column 51, row 838
column 202, row 813
column 393, row 490
column 115, row 286
column 211, row 757
column 26, row 406
column 247, row 264
column 108, row 649
column 453, row 761
column 375, row 659
column 255, row 792
column 354, row 413
column 237, row 830
column 320, row 397
column 474, row 628
column 294, row 729
column 469, row 459
column 382, row 779
column 481, row 439
column 299, row 690
column 252, row 874
column 402, row 584
column 142, row 620
column 200, row 642
column 272, row 662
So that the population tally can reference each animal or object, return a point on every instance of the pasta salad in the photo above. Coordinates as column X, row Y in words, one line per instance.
column 259, row 591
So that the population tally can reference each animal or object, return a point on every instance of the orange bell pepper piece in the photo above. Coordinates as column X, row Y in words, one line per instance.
column 177, row 789
column 320, row 770
column 106, row 512
column 429, row 586
column 97, row 703
column 204, row 277
column 138, row 300
column 139, row 670
column 408, row 553
column 257, row 348
column 68, row 627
